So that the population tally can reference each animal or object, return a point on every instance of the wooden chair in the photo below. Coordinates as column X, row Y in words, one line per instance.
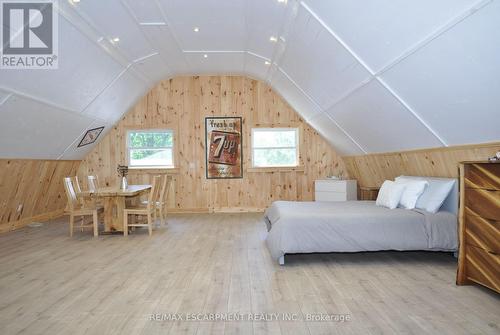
column 93, row 183
column 149, row 210
column 75, row 208
column 161, row 201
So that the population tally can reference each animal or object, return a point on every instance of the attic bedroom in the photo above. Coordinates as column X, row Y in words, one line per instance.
column 249, row 167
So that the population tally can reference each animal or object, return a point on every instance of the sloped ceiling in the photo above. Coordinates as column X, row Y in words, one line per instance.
column 370, row 75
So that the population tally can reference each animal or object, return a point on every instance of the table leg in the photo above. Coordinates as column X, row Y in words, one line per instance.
column 113, row 213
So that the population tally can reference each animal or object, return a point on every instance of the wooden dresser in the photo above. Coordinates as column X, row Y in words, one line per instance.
column 479, row 229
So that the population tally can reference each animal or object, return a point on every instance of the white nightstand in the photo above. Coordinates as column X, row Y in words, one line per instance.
column 335, row 190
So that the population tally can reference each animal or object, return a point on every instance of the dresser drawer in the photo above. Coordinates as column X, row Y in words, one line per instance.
column 482, row 233
column 483, row 267
column 486, row 176
column 330, row 186
column 483, row 203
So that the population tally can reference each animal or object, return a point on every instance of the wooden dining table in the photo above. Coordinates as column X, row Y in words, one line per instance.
column 114, row 203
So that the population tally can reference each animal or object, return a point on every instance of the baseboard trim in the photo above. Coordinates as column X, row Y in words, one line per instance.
column 187, row 210
column 238, row 210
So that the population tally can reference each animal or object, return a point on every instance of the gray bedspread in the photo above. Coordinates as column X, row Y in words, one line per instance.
column 305, row 227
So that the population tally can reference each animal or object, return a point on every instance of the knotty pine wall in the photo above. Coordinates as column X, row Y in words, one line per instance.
column 37, row 186
column 182, row 104
column 372, row 170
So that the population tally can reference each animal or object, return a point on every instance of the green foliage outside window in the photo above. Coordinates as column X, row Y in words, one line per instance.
column 149, row 140
column 148, row 148
column 275, row 157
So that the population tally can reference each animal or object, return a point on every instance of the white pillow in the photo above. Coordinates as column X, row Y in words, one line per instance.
column 434, row 195
column 413, row 191
column 390, row 194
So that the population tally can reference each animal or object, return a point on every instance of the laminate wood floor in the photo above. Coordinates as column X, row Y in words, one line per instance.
column 207, row 264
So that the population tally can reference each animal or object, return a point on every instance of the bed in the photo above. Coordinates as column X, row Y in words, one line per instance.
column 354, row 226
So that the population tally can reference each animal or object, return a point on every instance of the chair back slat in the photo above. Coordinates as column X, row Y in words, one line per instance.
column 162, row 195
column 153, row 194
column 93, row 183
column 167, row 189
column 70, row 193
column 76, row 184
column 169, row 182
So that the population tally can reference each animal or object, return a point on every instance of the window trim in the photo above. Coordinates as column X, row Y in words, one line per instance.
column 149, row 130
column 297, row 147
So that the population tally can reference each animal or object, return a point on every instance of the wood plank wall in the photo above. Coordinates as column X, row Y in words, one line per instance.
column 182, row 104
column 37, row 186
column 372, row 170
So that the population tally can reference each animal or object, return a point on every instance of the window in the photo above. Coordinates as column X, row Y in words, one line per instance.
column 150, row 148
column 275, row 147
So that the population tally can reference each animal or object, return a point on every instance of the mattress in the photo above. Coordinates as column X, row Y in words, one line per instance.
column 353, row 226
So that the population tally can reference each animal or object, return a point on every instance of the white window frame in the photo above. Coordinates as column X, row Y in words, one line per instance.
column 297, row 160
column 148, row 148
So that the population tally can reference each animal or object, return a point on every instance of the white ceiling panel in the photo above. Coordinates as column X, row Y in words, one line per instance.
column 84, row 70
column 334, row 135
column 294, row 96
column 454, row 82
column 163, row 39
column 219, row 36
column 153, row 67
column 122, row 25
column 117, row 98
column 318, row 63
column 30, row 129
column 381, row 30
column 264, row 19
column 203, row 11
column 257, row 41
column 379, row 122
column 216, row 62
column 255, row 66
column 221, row 24
column 145, row 11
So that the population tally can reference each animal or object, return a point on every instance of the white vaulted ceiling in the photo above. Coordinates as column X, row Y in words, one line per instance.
column 369, row 75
